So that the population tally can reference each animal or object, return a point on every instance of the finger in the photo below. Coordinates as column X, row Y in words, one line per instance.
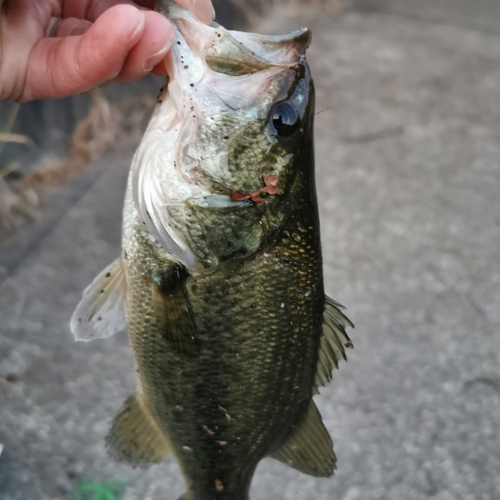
column 63, row 66
column 72, row 27
column 92, row 9
column 156, row 40
column 202, row 9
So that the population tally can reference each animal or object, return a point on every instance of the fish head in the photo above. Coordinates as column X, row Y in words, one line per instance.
column 213, row 175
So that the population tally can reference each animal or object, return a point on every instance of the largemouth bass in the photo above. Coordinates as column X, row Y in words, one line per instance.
column 220, row 280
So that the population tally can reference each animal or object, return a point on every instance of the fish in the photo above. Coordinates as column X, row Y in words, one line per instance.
column 220, row 278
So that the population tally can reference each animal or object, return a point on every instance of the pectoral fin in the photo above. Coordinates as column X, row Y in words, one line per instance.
column 135, row 437
column 334, row 342
column 173, row 309
column 309, row 447
column 101, row 311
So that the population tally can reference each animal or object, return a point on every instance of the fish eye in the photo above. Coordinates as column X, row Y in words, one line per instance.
column 285, row 118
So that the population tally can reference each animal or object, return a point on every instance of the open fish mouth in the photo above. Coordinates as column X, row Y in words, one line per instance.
column 209, row 144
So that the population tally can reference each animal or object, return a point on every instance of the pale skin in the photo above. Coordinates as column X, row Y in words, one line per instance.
column 56, row 48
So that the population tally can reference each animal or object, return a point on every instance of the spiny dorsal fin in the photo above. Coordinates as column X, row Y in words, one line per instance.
column 135, row 437
column 335, row 309
column 101, row 311
column 309, row 447
column 173, row 309
column 334, row 342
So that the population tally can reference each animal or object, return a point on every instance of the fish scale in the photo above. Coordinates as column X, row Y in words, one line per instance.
column 264, row 391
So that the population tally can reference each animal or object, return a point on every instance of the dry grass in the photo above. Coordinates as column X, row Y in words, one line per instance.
column 106, row 126
column 17, row 138
column 13, row 208
column 92, row 137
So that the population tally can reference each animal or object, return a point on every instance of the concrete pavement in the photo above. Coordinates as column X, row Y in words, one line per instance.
column 408, row 167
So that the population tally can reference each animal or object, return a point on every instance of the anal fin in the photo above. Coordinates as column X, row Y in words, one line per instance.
column 135, row 437
column 309, row 447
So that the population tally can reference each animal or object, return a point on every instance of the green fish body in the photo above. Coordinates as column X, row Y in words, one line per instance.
column 220, row 281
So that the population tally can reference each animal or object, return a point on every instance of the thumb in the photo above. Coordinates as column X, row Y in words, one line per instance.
column 59, row 67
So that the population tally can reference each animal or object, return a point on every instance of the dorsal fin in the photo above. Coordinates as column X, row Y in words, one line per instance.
column 334, row 342
column 101, row 311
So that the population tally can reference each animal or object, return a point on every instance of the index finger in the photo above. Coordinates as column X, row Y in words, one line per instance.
column 92, row 9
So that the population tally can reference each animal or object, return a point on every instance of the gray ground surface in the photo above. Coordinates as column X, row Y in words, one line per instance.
column 483, row 15
column 408, row 177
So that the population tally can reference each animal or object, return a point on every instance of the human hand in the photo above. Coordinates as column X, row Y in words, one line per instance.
column 56, row 48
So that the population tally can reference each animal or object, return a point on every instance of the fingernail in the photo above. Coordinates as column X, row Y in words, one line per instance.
column 153, row 60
